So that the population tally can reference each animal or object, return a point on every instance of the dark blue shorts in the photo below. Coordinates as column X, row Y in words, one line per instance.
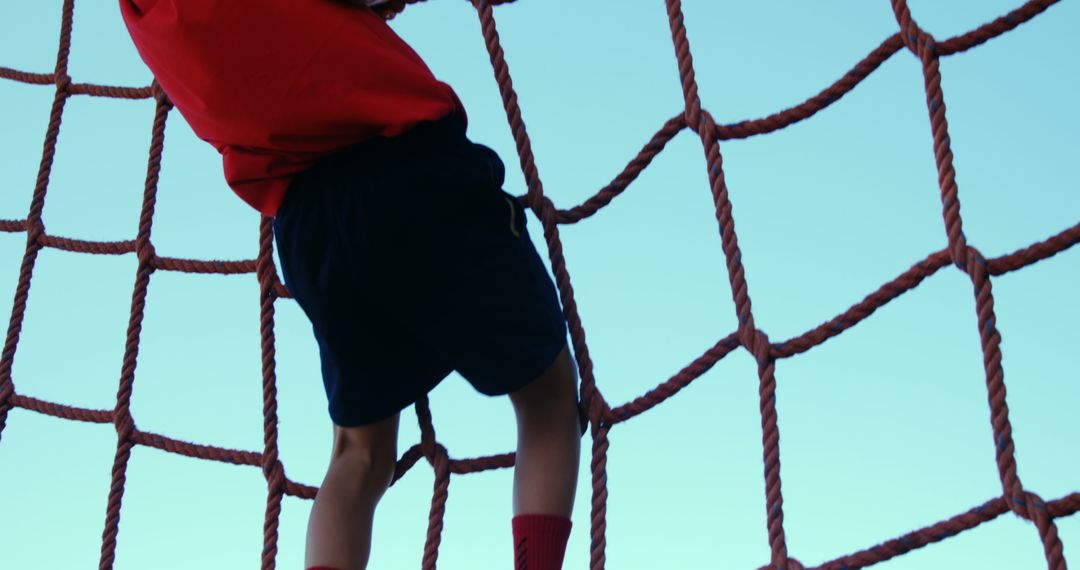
column 411, row 261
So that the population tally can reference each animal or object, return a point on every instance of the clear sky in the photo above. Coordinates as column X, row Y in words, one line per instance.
column 883, row 429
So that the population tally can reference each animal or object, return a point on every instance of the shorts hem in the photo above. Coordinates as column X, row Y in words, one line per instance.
column 525, row 378
column 345, row 419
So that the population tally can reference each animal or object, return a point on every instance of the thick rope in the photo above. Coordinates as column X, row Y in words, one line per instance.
column 600, row 415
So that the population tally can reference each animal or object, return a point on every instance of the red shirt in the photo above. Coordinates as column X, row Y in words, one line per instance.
column 276, row 84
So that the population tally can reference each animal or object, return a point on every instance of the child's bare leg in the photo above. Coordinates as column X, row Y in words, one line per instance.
column 361, row 469
column 549, row 441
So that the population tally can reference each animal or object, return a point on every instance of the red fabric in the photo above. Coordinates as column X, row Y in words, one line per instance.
column 276, row 84
column 540, row 541
column 321, row 568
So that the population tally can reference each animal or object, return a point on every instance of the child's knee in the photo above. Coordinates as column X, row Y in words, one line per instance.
column 556, row 387
column 372, row 446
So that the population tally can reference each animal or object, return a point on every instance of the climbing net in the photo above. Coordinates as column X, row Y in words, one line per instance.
column 601, row 415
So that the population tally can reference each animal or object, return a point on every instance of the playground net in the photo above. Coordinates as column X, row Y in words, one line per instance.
column 1014, row 497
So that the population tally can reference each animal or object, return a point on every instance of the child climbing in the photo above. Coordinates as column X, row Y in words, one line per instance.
column 394, row 235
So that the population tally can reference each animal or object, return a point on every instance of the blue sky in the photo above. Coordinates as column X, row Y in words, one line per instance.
column 883, row 429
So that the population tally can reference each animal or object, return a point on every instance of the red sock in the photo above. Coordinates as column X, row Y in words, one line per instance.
column 540, row 541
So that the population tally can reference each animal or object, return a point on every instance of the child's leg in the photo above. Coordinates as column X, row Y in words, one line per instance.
column 549, row 441
column 361, row 469
column 546, row 465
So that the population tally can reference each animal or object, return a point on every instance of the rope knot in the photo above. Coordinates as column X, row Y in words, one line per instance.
column 6, row 391
column 275, row 476
column 146, row 252
column 1028, row 505
column 694, row 116
column 125, row 424
column 710, row 125
column 548, row 213
column 34, row 232
column 159, row 94
column 440, row 459
column 757, row 342
column 970, row 260
column 919, row 41
column 63, row 84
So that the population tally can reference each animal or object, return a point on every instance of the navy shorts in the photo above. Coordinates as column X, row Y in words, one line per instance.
column 411, row 261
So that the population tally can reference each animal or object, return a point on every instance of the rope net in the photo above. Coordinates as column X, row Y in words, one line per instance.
column 1015, row 497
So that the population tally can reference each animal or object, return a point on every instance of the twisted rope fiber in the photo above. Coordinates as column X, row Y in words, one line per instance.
column 601, row 416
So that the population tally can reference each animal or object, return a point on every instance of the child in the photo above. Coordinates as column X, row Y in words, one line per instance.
column 394, row 235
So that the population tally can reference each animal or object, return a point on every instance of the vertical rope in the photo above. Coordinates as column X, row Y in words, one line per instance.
column 437, row 457
column 969, row 260
column 272, row 467
column 597, row 409
column 35, row 228
column 755, row 341
column 122, row 420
